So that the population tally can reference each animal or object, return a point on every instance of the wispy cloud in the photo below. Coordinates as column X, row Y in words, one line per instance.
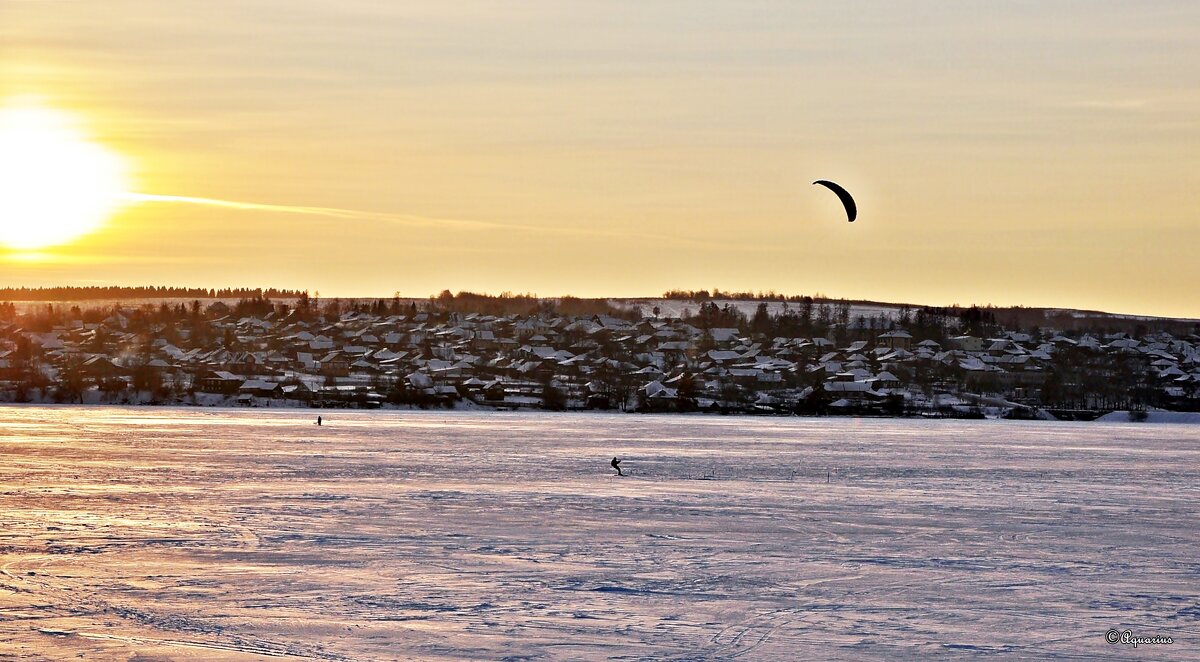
column 327, row 212
column 50, row 258
column 1114, row 104
column 413, row 220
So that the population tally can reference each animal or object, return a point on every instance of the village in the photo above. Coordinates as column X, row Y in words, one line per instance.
column 813, row 358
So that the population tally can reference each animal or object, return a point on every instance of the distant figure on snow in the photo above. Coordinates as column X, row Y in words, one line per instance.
column 616, row 464
column 318, row 420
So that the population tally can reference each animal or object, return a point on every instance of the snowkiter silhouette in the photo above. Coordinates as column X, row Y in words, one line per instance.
column 616, row 464
column 318, row 420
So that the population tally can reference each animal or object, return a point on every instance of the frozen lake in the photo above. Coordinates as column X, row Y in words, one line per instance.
column 163, row 534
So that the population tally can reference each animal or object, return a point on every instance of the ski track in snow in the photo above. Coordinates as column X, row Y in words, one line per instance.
column 186, row 534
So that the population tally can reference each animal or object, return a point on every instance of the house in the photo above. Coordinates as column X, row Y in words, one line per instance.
column 259, row 388
column 898, row 339
column 968, row 343
column 219, row 381
column 101, row 367
column 335, row 364
column 853, row 390
column 299, row 391
column 723, row 355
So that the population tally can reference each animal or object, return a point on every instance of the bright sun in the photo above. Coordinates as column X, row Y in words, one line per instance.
column 55, row 184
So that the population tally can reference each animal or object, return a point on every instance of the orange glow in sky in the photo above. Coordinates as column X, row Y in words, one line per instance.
column 1042, row 154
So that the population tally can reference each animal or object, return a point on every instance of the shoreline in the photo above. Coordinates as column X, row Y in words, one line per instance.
column 1161, row 417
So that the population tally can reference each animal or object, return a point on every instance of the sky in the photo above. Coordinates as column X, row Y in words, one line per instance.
column 1041, row 153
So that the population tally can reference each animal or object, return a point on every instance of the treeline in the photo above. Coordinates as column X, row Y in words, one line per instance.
column 1015, row 318
column 706, row 295
column 94, row 293
column 508, row 303
column 814, row 318
column 1021, row 318
column 767, row 295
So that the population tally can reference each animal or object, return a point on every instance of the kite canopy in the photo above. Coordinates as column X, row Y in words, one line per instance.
column 844, row 195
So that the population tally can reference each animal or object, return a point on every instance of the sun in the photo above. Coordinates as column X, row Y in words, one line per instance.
column 55, row 183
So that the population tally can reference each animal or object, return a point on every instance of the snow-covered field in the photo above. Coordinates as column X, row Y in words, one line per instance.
column 1154, row 416
column 155, row 534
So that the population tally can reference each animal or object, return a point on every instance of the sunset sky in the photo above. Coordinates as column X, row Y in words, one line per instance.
column 1039, row 153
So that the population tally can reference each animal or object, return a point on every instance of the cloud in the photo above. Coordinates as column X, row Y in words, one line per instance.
column 414, row 220
column 1114, row 104
column 328, row 212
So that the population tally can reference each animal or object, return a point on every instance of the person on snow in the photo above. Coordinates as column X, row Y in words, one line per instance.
column 616, row 464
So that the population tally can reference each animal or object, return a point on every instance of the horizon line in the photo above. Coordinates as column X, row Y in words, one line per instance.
column 786, row 298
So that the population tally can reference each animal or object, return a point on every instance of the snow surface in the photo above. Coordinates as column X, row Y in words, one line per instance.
column 1153, row 417
column 158, row 534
